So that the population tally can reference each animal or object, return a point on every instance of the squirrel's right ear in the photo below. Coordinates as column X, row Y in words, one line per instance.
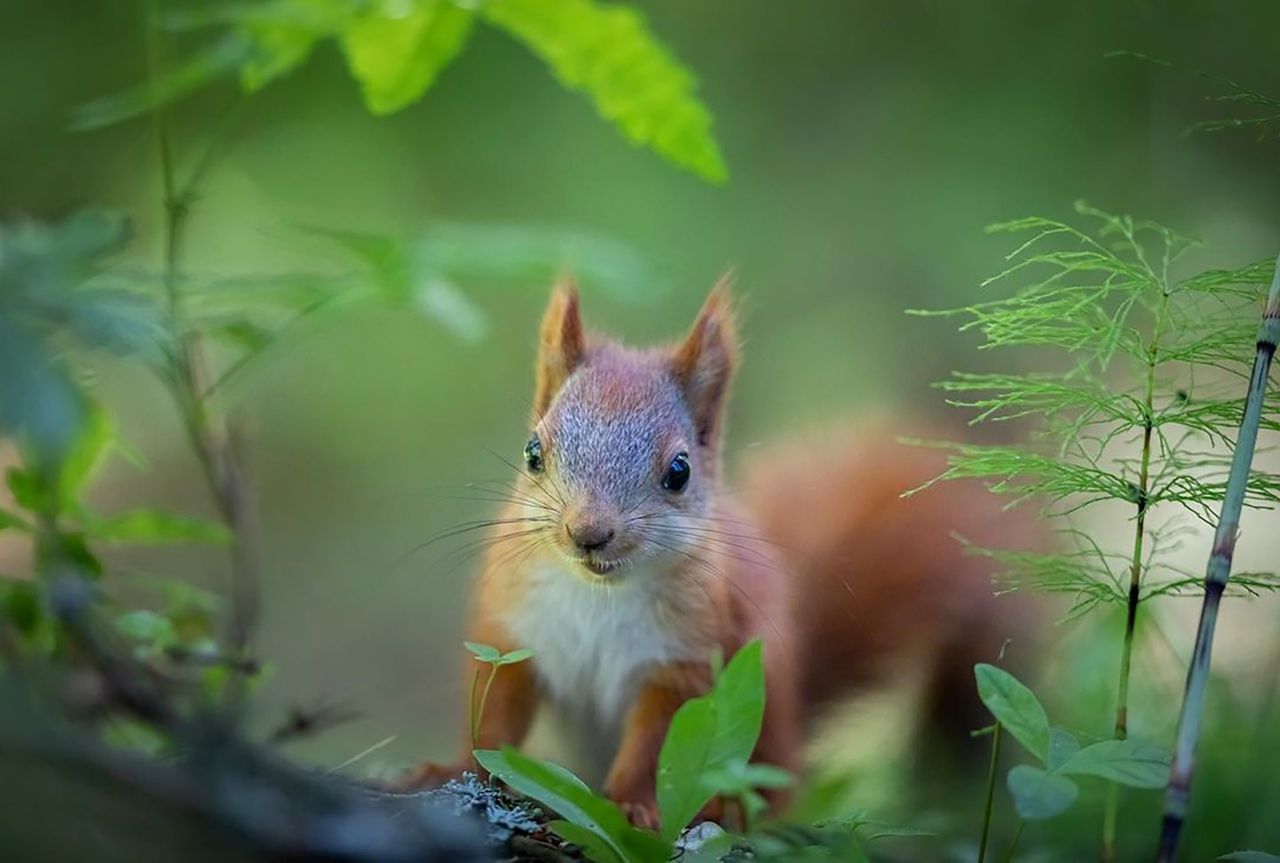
column 704, row 363
column 561, row 344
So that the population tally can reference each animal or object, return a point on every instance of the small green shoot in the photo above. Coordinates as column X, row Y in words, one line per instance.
column 487, row 655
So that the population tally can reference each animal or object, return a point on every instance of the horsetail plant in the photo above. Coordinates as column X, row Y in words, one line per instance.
column 1217, row 574
column 1138, row 415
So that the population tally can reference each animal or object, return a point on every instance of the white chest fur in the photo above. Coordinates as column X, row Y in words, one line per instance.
column 594, row 643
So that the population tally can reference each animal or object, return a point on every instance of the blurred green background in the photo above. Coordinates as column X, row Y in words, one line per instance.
column 868, row 145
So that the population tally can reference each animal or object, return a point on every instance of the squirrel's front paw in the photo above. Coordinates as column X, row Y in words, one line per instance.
column 430, row 775
column 641, row 813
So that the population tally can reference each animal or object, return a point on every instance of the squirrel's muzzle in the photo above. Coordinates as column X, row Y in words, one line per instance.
column 591, row 536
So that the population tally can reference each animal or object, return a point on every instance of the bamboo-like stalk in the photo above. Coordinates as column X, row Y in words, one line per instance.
column 1218, row 571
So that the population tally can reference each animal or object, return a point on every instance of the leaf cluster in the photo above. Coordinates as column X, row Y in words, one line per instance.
column 706, row 753
column 1047, row 789
column 396, row 49
column 1143, row 407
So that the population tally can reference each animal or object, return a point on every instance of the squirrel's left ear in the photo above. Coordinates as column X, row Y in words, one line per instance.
column 705, row 362
column 561, row 345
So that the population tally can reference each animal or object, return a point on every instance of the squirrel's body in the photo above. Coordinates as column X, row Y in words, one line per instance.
column 624, row 563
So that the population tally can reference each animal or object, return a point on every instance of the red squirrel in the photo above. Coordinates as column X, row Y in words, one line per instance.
column 623, row 561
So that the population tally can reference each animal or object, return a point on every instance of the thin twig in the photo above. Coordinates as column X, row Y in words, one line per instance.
column 217, row 441
column 991, row 792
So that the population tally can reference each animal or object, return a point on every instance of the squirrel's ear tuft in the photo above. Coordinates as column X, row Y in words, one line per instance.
column 561, row 344
column 705, row 362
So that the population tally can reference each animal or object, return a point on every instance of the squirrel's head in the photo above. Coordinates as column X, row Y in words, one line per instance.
column 624, row 455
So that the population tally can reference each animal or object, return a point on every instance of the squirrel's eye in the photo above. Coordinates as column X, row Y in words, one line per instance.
column 678, row 473
column 533, row 454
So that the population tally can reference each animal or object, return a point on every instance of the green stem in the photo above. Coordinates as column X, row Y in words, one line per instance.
column 215, row 441
column 474, row 716
column 484, row 699
column 1217, row 572
column 1121, row 729
column 991, row 793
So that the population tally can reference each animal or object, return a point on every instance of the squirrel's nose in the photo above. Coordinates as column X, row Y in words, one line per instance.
column 591, row 537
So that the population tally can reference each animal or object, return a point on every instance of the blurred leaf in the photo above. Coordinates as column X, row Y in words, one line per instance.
column 12, row 520
column 39, row 404
column 27, row 490
column 760, row 776
column 515, row 656
column 387, row 259
column 608, row 52
column 154, row 527
column 220, row 60
column 396, row 48
column 283, row 34
column 1016, row 707
column 1038, row 795
column 451, row 308
column 247, row 335
column 20, row 604
column 424, row 269
column 566, row 794
column 1128, row 762
column 532, row 254
column 86, row 455
column 147, row 628
column 1062, row 745
column 483, row 652
column 1250, row 857
column 53, row 297
column 70, row 547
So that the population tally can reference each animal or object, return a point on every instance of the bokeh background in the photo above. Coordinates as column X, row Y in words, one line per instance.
column 868, row 145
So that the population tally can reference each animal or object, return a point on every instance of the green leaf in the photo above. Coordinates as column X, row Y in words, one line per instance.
column 396, row 48
column 20, row 605
column 682, row 763
column 566, row 794
column 217, row 61
column 146, row 628
column 39, row 403
column 12, row 520
column 26, row 489
column 85, row 456
column 1128, row 762
column 514, row 656
column 70, row 547
column 1038, row 795
column 739, row 698
column 483, row 652
column 1016, row 707
column 709, row 735
column 154, row 527
column 1062, row 745
column 595, row 848
column 283, row 34
column 608, row 52
column 450, row 307
column 1250, row 857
